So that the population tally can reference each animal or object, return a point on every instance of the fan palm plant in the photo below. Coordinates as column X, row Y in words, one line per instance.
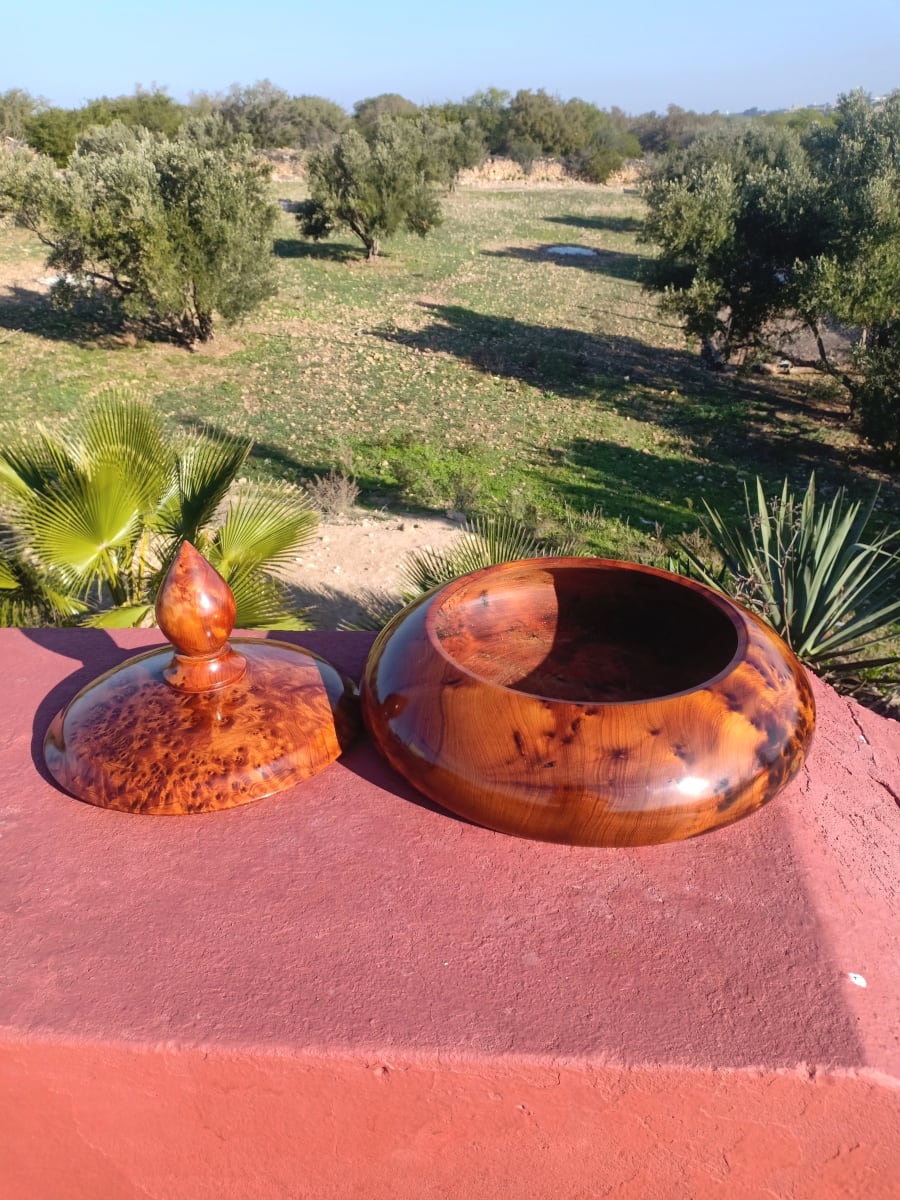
column 810, row 569
column 95, row 514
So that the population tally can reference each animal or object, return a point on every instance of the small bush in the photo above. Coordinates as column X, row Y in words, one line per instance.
column 334, row 494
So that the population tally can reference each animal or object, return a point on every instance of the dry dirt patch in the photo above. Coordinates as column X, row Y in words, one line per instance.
column 348, row 559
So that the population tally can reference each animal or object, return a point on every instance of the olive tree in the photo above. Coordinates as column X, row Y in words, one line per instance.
column 16, row 106
column 176, row 230
column 375, row 186
column 777, row 224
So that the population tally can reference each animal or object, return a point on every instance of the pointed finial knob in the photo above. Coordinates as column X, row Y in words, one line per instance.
column 196, row 611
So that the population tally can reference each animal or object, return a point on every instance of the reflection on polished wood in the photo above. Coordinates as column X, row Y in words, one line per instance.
column 214, row 725
column 588, row 701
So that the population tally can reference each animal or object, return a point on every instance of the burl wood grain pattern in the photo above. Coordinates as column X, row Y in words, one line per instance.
column 209, row 727
column 589, row 702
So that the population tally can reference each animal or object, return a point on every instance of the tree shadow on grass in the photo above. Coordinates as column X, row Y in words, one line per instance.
column 340, row 252
column 604, row 262
column 740, row 425
column 611, row 223
column 99, row 320
column 569, row 362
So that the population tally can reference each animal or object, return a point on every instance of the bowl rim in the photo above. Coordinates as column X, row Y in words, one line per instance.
column 733, row 611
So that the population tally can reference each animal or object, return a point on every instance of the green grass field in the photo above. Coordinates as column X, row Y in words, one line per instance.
column 470, row 371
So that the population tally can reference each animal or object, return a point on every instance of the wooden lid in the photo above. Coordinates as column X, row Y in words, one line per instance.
column 216, row 724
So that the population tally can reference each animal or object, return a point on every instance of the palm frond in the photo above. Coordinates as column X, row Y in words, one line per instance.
column 263, row 527
column 35, row 467
column 123, row 616
column 204, row 472
column 83, row 530
column 124, row 430
column 264, row 603
column 377, row 609
column 28, row 597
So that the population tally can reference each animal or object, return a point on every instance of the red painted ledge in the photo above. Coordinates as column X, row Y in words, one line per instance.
column 341, row 992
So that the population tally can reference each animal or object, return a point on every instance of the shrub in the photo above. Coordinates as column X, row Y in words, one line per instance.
column 16, row 106
column 175, row 229
column 373, row 187
column 334, row 494
column 777, row 225
column 53, row 132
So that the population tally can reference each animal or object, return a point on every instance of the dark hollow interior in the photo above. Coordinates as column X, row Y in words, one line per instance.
column 587, row 633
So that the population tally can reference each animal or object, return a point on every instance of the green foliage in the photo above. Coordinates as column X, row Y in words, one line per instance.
column 525, row 151
column 532, row 125
column 317, row 121
column 677, row 128
column 16, row 106
column 732, row 215
column 272, row 118
column 489, row 111
column 97, row 513
column 484, row 542
column 262, row 111
column 154, row 110
column 769, row 226
column 801, row 120
column 174, row 229
column 810, row 569
column 373, row 187
column 367, row 113
column 540, row 119
column 451, row 145
column 609, row 145
column 53, row 132
column 877, row 393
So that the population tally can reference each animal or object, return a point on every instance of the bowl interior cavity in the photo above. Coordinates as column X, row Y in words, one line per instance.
column 584, row 633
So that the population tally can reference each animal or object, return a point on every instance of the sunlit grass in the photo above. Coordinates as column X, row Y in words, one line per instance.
column 471, row 371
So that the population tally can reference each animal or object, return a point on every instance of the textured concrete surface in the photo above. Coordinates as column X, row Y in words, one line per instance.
column 342, row 992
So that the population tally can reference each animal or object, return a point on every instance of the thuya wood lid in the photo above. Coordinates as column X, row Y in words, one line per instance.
column 215, row 724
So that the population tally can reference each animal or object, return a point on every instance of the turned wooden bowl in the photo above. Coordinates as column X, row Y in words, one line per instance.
column 588, row 701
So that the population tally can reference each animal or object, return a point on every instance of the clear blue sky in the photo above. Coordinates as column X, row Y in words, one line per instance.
column 639, row 54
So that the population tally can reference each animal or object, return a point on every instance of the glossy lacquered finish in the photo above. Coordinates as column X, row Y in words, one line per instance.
column 216, row 724
column 589, row 702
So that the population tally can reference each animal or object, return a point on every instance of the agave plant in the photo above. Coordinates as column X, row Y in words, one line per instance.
column 807, row 566
column 95, row 514
column 482, row 542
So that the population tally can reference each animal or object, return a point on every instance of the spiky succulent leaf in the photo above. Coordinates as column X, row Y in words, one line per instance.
column 807, row 566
